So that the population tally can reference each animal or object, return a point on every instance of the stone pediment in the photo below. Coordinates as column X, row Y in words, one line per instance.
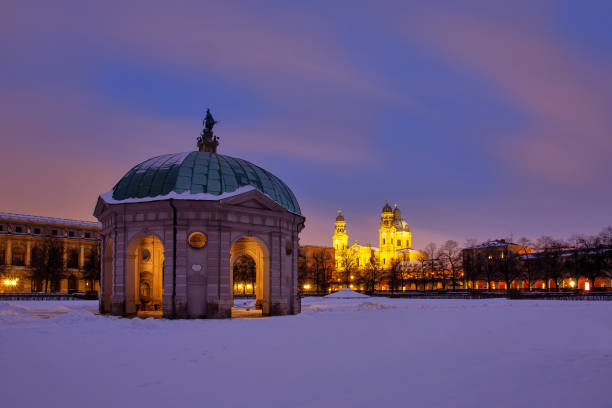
column 254, row 199
column 100, row 207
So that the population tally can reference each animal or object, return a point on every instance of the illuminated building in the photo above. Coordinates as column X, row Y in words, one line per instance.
column 395, row 243
column 23, row 236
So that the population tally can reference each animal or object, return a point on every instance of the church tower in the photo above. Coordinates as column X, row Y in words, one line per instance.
column 386, row 237
column 340, row 239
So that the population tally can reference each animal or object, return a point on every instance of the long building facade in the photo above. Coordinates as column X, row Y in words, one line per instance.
column 21, row 236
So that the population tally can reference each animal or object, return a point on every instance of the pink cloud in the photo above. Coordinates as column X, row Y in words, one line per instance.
column 567, row 99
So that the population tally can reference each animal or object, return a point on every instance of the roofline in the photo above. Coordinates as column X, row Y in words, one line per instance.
column 49, row 220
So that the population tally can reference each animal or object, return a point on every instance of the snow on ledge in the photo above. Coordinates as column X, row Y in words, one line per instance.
column 346, row 293
column 108, row 196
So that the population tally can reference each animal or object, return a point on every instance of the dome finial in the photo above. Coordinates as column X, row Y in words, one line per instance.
column 207, row 141
column 387, row 207
column 340, row 217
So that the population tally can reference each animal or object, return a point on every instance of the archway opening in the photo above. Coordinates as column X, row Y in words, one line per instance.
column 250, row 278
column 144, row 277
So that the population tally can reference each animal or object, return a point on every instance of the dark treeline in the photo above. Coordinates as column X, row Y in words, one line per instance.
column 51, row 262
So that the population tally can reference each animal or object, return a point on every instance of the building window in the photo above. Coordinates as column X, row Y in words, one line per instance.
column 18, row 229
column 18, row 256
column 54, row 232
column 1, row 227
column 37, row 230
column 71, row 233
column 399, row 242
column 87, row 235
column 73, row 258
column 383, row 241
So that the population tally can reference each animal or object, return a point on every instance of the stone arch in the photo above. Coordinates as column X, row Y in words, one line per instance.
column 107, row 275
column 256, row 249
column 144, row 271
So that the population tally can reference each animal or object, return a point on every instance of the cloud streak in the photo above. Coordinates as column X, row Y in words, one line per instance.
column 567, row 100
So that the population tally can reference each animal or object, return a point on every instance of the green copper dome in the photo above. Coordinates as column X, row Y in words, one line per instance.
column 200, row 173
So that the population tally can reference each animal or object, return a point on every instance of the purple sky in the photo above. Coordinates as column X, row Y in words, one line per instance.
column 479, row 119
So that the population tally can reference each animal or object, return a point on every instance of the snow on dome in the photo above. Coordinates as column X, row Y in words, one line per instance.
column 198, row 176
column 347, row 293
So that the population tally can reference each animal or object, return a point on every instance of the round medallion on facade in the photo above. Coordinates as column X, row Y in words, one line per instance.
column 197, row 240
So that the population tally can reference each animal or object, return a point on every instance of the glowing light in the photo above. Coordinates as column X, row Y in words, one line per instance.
column 10, row 282
column 572, row 284
column 306, row 286
column 352, row 277
column 240, row 286
column 587, row 286
column 249, row 286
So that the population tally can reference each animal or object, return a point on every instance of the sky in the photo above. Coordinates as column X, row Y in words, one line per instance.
column 480, row 119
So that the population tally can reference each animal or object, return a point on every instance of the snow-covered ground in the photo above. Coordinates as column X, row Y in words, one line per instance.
column 367, row 352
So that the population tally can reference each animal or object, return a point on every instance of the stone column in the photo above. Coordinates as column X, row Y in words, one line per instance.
column 181, row 273
column 167, row 270
column 9, row 252
column 275, row 273
column 119, row 265
column 28, row 254
column 225, row 295
column 81, row 256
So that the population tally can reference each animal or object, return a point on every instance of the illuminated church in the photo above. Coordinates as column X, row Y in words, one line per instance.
column 395, row 242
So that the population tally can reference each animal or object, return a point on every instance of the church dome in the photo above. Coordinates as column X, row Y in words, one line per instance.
column 340, row 217
column 199, row 176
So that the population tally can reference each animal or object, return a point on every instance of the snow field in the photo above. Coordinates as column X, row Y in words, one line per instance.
column 364, row 352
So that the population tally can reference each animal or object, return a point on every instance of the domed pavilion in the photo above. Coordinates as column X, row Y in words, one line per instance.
column 175, row 225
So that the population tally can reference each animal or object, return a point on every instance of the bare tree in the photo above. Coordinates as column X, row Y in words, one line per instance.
column 370, row 275
column 322, row 265
column 91, row 268
column 593, row 258
column 450, row 256
column 48, row 266
column 347, row 267
column 431, row 250
column 551, row 261
column 528, row 270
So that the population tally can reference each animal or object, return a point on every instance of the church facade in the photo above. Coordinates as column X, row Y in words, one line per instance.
column 395, row 243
